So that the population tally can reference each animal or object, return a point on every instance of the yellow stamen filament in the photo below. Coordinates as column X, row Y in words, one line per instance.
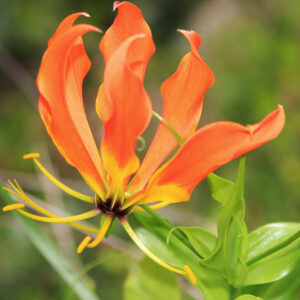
column 59, row 184
column 83, row 244
column 21, row 195
column 75, row 218
column 103, row 230
column 154, row 206
column 190, row 274
column 139, row 243
column 13, row 206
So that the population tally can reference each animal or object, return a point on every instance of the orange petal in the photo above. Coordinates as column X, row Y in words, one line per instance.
column 209, row 148
column 183, row 94
column 125, row 109
column 63, row 68
column 65, row 25
column 129, row 22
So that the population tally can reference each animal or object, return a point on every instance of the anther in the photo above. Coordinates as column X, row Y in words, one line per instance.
column 31, row 155
column 13, row 207
column 190, row 274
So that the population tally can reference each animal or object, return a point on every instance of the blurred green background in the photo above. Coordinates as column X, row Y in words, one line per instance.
column 253, row 48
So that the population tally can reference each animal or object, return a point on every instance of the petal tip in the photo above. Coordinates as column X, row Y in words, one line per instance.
column 193, row 37
column 84, row 14
column 116, row 5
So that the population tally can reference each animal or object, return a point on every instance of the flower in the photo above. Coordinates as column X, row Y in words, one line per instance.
column 125, row 110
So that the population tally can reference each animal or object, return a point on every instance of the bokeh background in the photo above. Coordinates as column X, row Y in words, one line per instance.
column 253, row 48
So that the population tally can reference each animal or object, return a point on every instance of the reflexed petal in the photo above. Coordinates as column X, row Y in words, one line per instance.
column 183, row 94
column 127, row 23
column 209, row 148
column 63, row 68
column 65, row 25
column 125, row 109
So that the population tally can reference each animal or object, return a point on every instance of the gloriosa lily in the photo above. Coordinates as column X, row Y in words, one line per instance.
column 125, row 109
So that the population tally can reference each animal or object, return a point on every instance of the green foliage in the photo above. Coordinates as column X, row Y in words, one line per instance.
column 274, row 266
column 228, row 256
column 270, row 238
column 150, row 282
column 235, row 263
column 247, row 297
column 202, row 240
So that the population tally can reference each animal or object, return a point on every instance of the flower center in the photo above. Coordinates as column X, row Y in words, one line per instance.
column 109, row 206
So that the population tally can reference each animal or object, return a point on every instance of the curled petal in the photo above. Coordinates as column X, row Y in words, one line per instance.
column 65, row 25
column 183, row 95
column 63, row 68
column 127, row 23
column 209, row 148
column 125, row 109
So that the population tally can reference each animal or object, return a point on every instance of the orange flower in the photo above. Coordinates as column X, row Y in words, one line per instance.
column 125, row 109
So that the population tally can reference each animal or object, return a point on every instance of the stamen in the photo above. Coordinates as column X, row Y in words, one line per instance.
column 139, row 243
column 11, row 192
column 171, row 129
column 75, row 218
column 13, row 207
column 83, row 244
column 103, row 230
column 190, row 274
column 153, row 206
column 59, row 184
column 21, row 195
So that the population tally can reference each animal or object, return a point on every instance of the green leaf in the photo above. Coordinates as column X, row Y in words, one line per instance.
column 49, row 251
column 278, row 290
column 274, row 266
column 231, row 247
column 150, row 282
column 220, row 188
column 154, row 235
column 248, row 297
column 202, row 240
column 283, row 289
column 269, row 238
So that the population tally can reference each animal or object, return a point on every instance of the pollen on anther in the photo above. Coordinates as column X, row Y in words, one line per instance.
column 83, row 244
column 190, row 274
column 31, row 155
column 13, row 207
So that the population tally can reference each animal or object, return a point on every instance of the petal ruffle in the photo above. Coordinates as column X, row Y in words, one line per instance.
column 63, row 68
column 209, row 148
column 127, row 23
column 183, row 95
column 125, row 109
